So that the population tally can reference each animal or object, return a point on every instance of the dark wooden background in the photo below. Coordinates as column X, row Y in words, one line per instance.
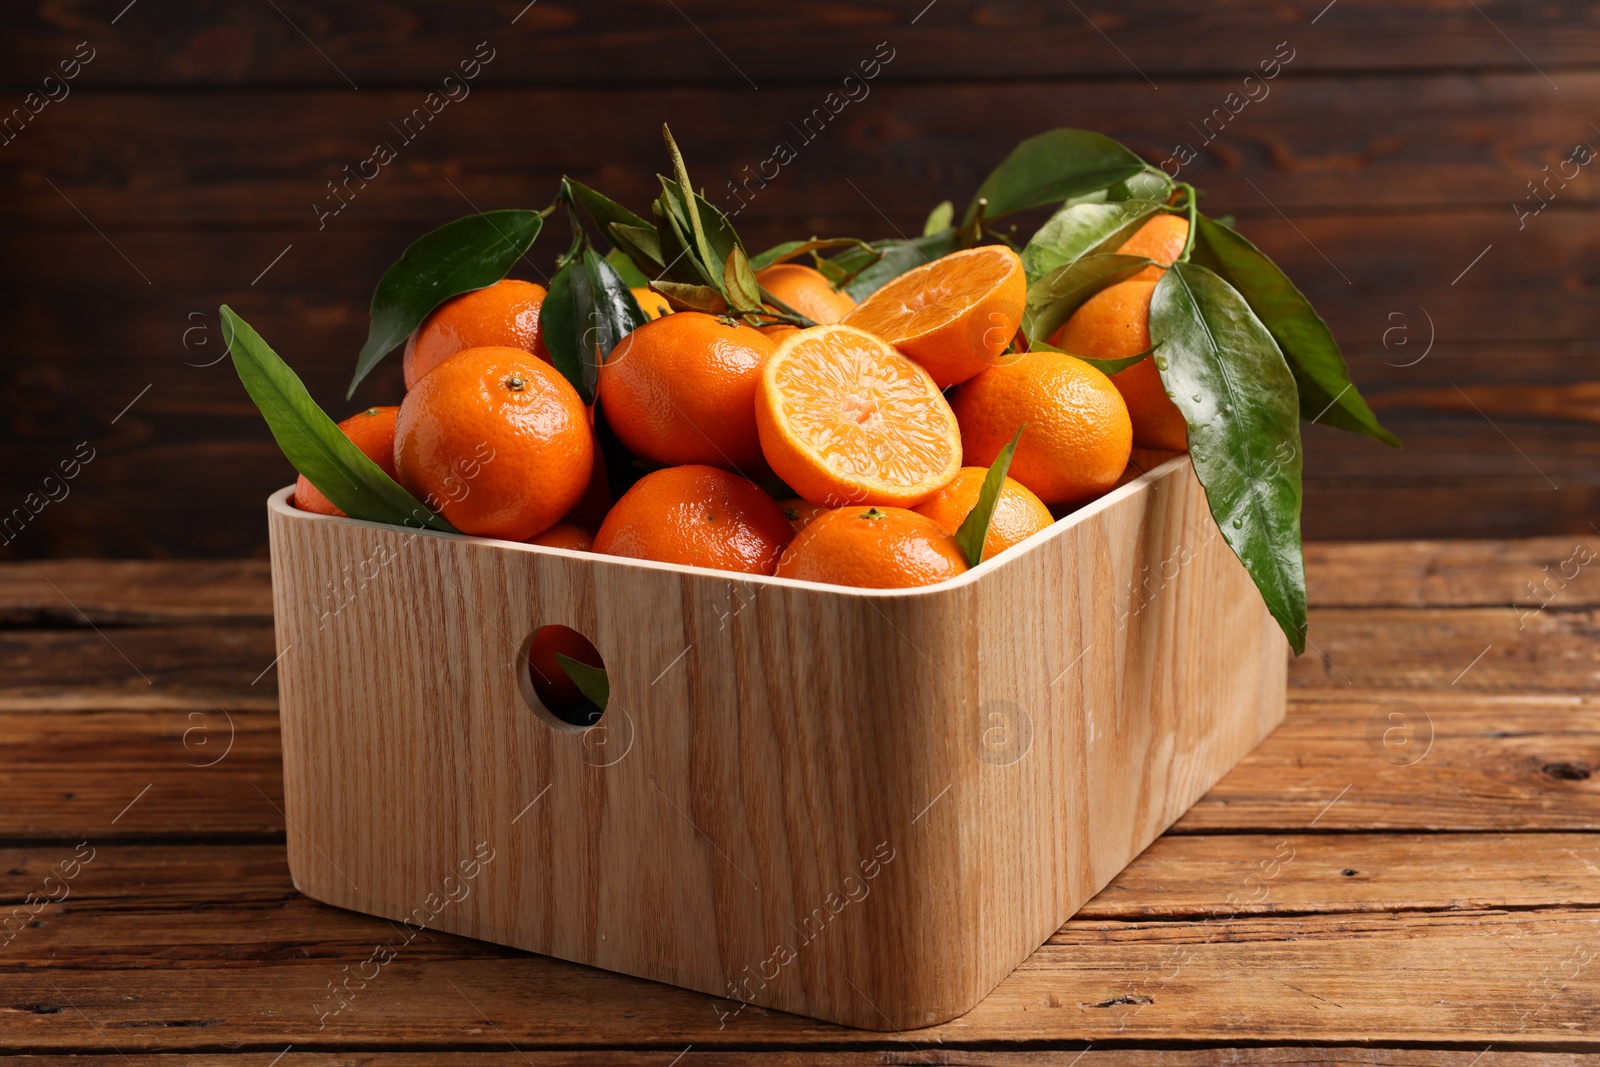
column 190, row 151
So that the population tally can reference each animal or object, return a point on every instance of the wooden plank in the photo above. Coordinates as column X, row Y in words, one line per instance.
column 1417, row 760
column 105, row 776
column 1058, row 1053
column 1517, row 649
column 407, row 41
column 1314, row 144
column 1511, row 979
column 183, row 666
column 1437, row 574
column 124, row 593
column 140, row 893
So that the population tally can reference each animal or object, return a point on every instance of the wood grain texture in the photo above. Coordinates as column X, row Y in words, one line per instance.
column 402, row 41
column 864, row 806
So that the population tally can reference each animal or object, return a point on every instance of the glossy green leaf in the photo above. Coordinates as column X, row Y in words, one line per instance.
column 313, row 442
column 602, row 208
column 1053, row 298
column 690, row 204
column 627, row 270
column 1108, row 367
column 794, row 249
column 1078, row 230
column 889, row 259
column 592, row 682
column 457, row 258
column 1226, row 375
column 973, row 533
column 1326, row 393
column 681, row 261
column 739, row 282
column 586, row 313
column 1050, row 168
column 939, row 219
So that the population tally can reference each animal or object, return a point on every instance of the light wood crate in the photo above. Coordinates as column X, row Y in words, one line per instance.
column 867, row 806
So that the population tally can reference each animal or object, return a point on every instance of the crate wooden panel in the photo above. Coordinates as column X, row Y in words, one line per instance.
column 865, row 806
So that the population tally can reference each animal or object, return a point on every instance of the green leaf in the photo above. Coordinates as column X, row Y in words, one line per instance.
column 1052, row 167
column 692, row 297
column 1080, row 229
column 602, row 208
column 592, row 682
column 739, row 282
column 1225, row 373
column 1053, row 298
column 893, row 258
column 973, row 533
column 642, row 244
column 587, row 311
column 1326, row 393
column 1108, row 367
column 457, row 258
column 630, row 274
column 794, row 249
column 939, row 219
column 313, row 442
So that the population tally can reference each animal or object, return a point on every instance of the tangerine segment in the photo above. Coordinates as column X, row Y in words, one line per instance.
column 872, row 548
column 845, row 419
column 954, row 316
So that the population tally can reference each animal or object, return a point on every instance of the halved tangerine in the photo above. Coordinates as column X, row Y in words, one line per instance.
column 954, row 315
column 845, row 419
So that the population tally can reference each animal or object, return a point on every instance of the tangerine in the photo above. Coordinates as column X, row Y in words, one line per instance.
column 697, row 516
column 681, row 389
column 496, row 441
column 872, row 548
column 1077, row 437
column 954, row 316
column 1017, row 515
column 505, row 314
column 1115, row 324
column 844, row 418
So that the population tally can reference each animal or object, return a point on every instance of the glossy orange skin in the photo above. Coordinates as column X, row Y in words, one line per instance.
column 806, row 290
column 1114, row 324
column 1017, row 515
column 565, row 535
column 1161, row 238
column 551, row 683
column 872, row 548
column 652, row 303
column 681, row 389
column 697, row 516
column 1078, row 437
column 497, row 441
column 804, row 512
column 372, row 431
column 505, row 314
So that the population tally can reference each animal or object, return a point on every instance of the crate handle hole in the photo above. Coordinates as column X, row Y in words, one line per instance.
column 547, row 687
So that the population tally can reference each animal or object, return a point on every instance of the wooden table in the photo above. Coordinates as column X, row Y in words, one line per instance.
column 1406, row 872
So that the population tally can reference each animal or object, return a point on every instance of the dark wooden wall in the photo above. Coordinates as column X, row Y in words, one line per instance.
column 188, row 156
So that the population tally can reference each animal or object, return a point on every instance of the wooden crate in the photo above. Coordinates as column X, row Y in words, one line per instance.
column 865, row 806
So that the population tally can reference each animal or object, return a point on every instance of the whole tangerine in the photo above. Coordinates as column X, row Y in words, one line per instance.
column 872, row 548
column 496, row 441
column 505, row 314
column 697, row 516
